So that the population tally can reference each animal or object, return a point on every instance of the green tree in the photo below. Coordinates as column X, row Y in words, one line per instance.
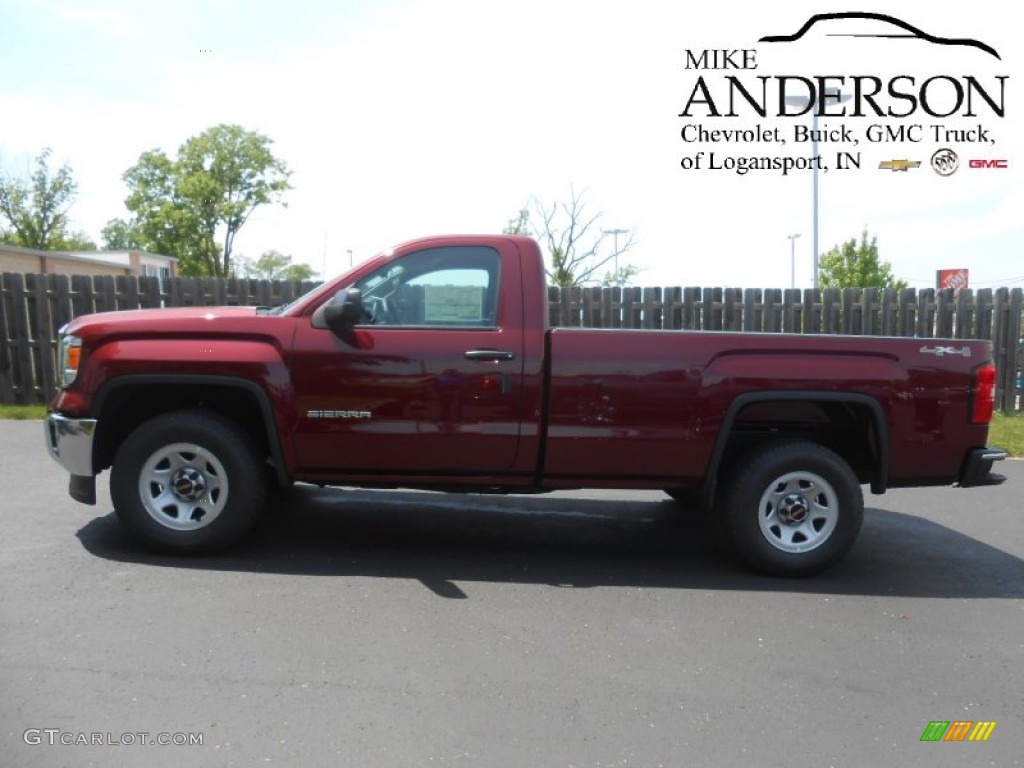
column 578, row 249
column 520, row 225
column 162, row 222
column 299, row 272
column 193, row 206
column 36, row 211
column 273, row 265
column 857, row 265
column 76, row 241
column 120, row 235
column 620, row 277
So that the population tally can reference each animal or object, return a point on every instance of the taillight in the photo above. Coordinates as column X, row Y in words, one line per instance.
column 983, row 394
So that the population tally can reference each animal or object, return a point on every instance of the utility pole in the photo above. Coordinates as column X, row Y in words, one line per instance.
column 792, row 259
column 615, row 233
column 801, row 100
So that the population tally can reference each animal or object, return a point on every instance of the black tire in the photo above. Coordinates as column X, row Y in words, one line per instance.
column 187, row 483
column 791, row 508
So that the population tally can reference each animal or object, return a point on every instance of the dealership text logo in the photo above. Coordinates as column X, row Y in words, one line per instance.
column 899, row 165
column 958, row 730
column 787, row 95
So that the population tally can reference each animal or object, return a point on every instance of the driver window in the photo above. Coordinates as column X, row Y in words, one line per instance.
column 453, row 287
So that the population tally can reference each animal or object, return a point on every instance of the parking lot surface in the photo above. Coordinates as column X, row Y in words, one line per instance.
column 589, row 629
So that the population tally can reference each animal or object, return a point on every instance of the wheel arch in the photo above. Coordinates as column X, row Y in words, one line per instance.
column 876, row 449
column 126, row 401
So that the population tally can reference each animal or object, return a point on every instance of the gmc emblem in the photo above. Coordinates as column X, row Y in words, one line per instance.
column 989, row 163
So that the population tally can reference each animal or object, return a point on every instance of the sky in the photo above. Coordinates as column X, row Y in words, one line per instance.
column 407, row 118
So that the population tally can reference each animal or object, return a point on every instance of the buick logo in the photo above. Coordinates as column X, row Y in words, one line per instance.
column 945, row 162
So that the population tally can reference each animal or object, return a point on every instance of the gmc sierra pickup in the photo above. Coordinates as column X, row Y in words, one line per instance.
column 433, row 366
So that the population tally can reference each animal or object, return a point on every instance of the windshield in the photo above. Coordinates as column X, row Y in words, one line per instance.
column 331, row 286
column 280, row 309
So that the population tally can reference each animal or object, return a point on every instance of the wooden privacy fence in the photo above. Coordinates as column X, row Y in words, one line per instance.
column 990, row 314
column 34, row 307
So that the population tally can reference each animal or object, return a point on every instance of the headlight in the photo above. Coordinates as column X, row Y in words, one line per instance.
column 70, row 352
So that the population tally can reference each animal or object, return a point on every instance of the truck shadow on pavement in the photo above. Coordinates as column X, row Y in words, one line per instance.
column 444, row 541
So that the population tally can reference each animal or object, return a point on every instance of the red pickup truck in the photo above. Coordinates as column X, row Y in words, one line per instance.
column 433, row 366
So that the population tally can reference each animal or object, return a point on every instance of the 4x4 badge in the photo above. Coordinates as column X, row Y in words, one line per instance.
column 940, row 351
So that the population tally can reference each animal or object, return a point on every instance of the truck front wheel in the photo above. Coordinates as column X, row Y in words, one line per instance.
column 792, row 508
column 188, row 482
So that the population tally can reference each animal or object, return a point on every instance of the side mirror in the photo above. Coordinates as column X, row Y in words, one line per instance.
column 341, row 313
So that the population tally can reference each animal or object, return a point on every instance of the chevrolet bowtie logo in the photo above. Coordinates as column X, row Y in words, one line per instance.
column 899, row 165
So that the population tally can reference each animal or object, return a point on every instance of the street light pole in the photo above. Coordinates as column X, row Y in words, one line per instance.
column 792, row 259
column 838, row 97
column 615, row 233
column 814, row 193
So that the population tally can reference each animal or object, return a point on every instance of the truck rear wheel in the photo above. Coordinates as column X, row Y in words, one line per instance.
column 188, row 482
column 792, row 508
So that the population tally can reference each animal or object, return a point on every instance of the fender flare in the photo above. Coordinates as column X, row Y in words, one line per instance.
column 878, row 484
column 260, row 394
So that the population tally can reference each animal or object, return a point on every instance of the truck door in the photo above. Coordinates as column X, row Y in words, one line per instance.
column 429, row 381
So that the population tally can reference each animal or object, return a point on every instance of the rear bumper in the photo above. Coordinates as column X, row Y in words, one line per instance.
column 977, row 469
column 70, row 442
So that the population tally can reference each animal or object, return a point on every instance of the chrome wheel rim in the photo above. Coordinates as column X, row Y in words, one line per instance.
column 798, row 512
column 183, row 486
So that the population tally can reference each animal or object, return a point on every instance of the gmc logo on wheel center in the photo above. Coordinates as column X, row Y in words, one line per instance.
column 989, row 163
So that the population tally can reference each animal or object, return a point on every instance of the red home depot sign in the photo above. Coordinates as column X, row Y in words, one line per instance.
column 951, row 278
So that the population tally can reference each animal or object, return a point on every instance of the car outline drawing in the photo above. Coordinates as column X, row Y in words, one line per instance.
column 910, row 31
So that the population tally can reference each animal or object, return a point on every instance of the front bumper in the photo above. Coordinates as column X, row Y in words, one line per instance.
column 977, row 468
column 69, row 442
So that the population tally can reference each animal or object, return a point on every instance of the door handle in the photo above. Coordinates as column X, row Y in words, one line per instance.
column 491, row 355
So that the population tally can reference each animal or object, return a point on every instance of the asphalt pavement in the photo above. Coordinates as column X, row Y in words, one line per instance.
column 592, row 629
